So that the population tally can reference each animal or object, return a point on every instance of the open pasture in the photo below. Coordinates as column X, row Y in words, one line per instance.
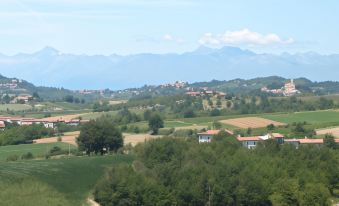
column 15, row 107
column 36, row 149
column 250, row 122
column 69, row 179
column 323, row 117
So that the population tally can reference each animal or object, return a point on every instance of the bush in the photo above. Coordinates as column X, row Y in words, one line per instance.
column 165, row 131
column 12, row 158
column 27, row 156
column 184, row 133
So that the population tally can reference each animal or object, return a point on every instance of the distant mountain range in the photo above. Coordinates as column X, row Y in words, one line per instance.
column 49, row 67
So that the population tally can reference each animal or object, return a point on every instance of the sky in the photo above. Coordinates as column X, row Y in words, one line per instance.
column 167, row 26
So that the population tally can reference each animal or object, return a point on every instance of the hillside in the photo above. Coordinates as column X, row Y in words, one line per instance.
column 15, row 87
column 53, row 68
column 237, row 86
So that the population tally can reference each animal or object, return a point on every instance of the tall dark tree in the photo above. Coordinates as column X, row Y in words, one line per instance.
column 155, row 123
column 330, row 142
column 100, row 136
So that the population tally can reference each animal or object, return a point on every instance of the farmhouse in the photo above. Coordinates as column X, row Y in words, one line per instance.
column 22, row 99
column 251, row 142
column 298, row 142
column 208, row 135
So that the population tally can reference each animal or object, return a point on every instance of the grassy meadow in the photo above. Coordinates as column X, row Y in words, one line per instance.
column 38, row 150
column 65, row 181
column 14, row 107
column 318, row 118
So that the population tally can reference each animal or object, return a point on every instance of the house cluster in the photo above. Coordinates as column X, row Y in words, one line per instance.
column 13, row 84
column 177, row 84
column 288, row 89
column 90, row 91
column 205, row 92
column 47, row 122
column 252, row 142
column 24, row 98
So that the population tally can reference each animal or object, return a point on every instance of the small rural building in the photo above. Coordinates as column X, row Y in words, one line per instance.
column 249, row 142
column 207, row 136
column 298, row 142
column 252, row 142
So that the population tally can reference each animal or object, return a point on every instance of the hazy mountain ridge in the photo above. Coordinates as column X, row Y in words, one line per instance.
column 49, row 67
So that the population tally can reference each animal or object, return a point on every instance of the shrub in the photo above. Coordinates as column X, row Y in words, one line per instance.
column 165, row 131
column 12, row 158
column 27, row 156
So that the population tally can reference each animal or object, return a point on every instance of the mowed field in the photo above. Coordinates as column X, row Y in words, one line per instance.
column 36, row 149
column 134, row 139
column 68, row 137
column 15, row 107
column 251, row 122
column 313, row 117
column 52, row 182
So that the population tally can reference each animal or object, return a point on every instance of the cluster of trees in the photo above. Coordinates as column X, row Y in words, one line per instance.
column 172, row 171
column 100, row 136
column 14, row 134
column 72, row 99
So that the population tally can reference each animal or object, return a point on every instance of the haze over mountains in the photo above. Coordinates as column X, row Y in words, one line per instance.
column 49, row 67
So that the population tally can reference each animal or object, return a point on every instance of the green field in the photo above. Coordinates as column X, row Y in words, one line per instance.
column 36, row 149
column 173, row 124
column 66, row 181
column 328, row 117
column 15, row 107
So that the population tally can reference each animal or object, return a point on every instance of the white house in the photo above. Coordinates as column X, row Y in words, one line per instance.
column 207, row 136
column 251, row 142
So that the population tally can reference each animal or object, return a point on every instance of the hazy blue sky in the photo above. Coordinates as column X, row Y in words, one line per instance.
column 161, row 26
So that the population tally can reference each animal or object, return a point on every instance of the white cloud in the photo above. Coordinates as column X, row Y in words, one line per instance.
column 243, row 37
column 169, row 37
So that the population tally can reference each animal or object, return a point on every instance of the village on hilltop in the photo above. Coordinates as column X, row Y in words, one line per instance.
column 288, row 89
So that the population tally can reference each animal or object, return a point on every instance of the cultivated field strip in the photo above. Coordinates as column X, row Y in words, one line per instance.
column 251, row 122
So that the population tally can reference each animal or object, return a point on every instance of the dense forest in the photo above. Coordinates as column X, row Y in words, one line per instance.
column 182, row 172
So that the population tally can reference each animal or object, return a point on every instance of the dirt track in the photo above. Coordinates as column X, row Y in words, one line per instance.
column 250, row 122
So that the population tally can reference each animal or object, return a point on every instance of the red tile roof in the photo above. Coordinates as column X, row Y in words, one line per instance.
column 243, row 139
column 277, row 135
column 210, row 132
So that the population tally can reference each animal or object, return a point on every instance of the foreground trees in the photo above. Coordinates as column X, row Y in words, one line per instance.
column 100, row 136
column 177, row 172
